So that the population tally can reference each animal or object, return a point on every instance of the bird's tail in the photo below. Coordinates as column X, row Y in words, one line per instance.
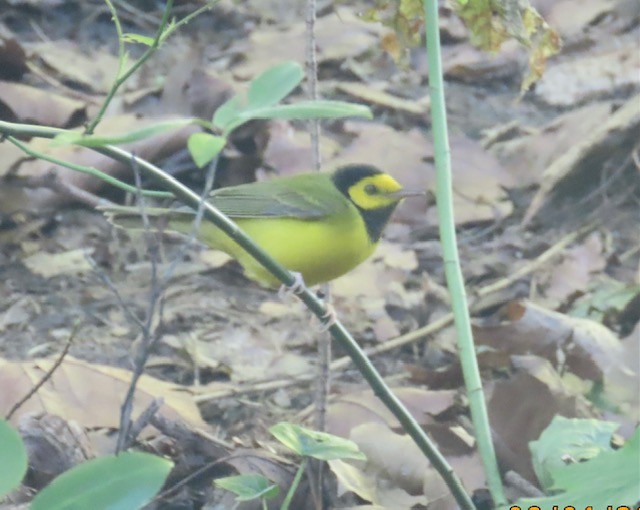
column 159, row 219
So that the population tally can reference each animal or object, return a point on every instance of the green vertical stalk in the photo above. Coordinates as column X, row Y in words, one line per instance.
column 455, row 282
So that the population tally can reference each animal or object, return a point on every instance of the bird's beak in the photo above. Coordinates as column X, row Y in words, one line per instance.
column 405, row 193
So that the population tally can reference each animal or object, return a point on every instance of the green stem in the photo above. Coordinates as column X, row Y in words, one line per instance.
column 161, row 35
column 88, row 170
column 294, row 484
column 312, row 302
column 455, row 282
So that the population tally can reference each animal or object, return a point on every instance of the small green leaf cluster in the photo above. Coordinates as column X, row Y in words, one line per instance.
column 303, row 442
column 263, row 100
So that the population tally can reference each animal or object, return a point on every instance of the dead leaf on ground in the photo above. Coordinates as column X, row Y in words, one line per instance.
column 13, row 59
column 576, row 270
column 469, row 64
column 289, row 151
column 575, row 81
column 569, row 21
column 585, row 347
column 353, row 409
column 526, row 157
column 375, row 93
column 26, row 104
column 67, row 62
column 521, row 407
column 89, row 394
column 340, row 35
column 584, row 161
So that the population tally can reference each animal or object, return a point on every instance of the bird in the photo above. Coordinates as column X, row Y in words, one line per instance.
column 319, row 225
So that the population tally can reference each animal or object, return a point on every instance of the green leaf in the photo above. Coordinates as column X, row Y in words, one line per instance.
column 227, row 113
column 123, row 482
column 78, row 138
column 579, row 439
column 203, row 147
column 13, row 458
column 248, row 487
column 608, row 480
column 319, row 445
column 274, row 84
column 138, row 38
column 305, row 110
column 323, row 109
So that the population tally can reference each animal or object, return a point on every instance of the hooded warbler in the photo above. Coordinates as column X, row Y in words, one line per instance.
column 320, row 225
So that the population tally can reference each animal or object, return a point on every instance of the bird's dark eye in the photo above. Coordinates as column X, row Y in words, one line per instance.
column 370, row 189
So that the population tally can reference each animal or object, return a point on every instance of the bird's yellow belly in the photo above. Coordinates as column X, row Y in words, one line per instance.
column 319, row 250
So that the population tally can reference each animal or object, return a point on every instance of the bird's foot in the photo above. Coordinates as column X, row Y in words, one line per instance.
column 329, row 318
column 286, row 291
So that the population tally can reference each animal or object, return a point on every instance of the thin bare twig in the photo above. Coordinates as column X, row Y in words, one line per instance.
column 324, row 341
column 47, row 375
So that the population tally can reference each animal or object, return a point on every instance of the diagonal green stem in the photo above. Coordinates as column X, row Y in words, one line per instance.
column 455, row 282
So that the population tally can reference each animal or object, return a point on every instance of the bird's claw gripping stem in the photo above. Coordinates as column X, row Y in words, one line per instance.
column 295, row 288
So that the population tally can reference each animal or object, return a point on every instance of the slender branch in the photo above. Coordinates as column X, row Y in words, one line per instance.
column 312, row 302
column 47, row 375
column 89, row 170
column 323, row 385
column 453, row 272
column 162, row 33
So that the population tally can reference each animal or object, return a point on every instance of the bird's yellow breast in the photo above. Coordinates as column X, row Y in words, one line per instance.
column 320, row 250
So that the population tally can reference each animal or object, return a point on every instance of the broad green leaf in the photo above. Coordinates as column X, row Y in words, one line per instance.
column 306, row 110
column 78, row 138
column 13, row 458
column 123, row 482
column 608, row 480
column 227, row 113
column 138, row 38
column 319, row 445
column 274, row 85
column 203, row 147
column 248, row 487
column 579, row 439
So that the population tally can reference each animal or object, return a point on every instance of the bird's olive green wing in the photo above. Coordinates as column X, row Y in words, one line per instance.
column 304, row 197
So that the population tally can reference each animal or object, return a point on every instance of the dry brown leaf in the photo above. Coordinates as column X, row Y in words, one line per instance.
column 375, row 93
column 527, row 157
column 521, row 407
column 351, row 410
column 13, row 59
column 576, row 270
column 32, row 105
column 339, row 35
column 289, row 151
column 590, row 76
column 90, row 394
column 587, row 348
column 68, row 63
column 584, row 161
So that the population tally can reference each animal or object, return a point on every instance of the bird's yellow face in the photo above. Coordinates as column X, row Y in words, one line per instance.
column 375, row 192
